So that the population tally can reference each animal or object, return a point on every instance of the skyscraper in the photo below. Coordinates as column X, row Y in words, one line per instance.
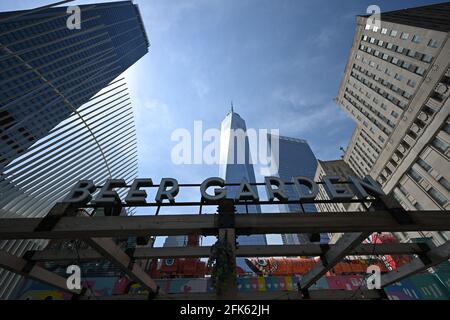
column 295, row 158
column 235, row 165
column 342, row 170
column 396, row 87
column 49, row 70
column 64, row 113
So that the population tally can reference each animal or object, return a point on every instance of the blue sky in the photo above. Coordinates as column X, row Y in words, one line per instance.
column 280, row 62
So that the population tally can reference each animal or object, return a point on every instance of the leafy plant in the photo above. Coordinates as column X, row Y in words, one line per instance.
column 222, row 263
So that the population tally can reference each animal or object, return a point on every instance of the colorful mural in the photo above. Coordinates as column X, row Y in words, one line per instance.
column 425, row 286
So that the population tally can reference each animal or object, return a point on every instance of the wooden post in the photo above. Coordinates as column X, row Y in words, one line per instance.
column 230, row 292
column 227, row 233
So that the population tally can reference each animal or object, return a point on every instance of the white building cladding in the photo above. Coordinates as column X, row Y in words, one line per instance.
column 233, row 171
column 396, row 87
column 97, row 142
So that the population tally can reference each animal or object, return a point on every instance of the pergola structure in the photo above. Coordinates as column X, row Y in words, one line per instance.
column 65, row 221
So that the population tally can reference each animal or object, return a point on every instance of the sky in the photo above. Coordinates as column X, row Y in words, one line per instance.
column 280, row 62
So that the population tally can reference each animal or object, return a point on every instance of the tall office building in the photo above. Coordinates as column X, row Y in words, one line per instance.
column 396, row 87
column 49, row 70
column 295, row 158
column 235, row 165
column 342, row 170
column 64, row 113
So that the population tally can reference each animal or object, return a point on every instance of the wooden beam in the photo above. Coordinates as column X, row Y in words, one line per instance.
column 33, row 271
column 111, row 251
column 311, row 250
column 207, row 224
column 426, row 260
column 330, row 258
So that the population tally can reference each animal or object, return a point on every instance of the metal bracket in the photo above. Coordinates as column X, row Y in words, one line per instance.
column 113, row 210
column 82, row 293
column 390, row 204
column 226, row 211
column 423, row 256
column 304, row 292
column 58, row 211
column 152, row 295
column 130, row 253
column 30, row 263
column 323, row 258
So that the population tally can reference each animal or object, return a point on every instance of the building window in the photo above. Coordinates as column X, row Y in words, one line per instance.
column 411, row 53
column 415, row 175
column 406, row 64
column 403, row 190
column 445, row 183
column 433, row 43
column 437, row 196
column 383, row 30
column 418, row 206
column 398, row 76
column 405, row 36
column 375, row 29
column 427, row 58
column 416, row 38
column 394, row 114
column 446, row 128
column 368, row 26
column 440, row 145
column 394, row 33
column 411, row 83
column 425, row 166
column 420, row 71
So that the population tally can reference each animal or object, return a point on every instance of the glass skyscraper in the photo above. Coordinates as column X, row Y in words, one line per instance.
column 235, row 167
column 49, row 70
column 295, row 158
column 65, row 113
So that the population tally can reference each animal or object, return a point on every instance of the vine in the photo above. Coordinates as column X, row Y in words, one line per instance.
column 220, row 260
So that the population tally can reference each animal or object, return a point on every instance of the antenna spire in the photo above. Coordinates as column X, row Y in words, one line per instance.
column 232, row 109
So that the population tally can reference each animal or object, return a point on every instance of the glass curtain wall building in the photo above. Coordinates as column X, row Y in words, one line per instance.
column 234, row 167
column 48, row 70
column 295, row 158
column 65, row 113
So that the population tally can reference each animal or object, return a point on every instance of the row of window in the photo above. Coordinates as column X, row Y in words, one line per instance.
column 377, row 89
column 357, row 167
column 395, row 48
column 363, row 155
column 393, row 60
column 404, row 35
column 387, row 84
column 435, row 194
column 350, row 96
column 404, row 146
column 372, row 143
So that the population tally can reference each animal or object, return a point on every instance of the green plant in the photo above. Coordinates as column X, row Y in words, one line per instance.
column 221, row 261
